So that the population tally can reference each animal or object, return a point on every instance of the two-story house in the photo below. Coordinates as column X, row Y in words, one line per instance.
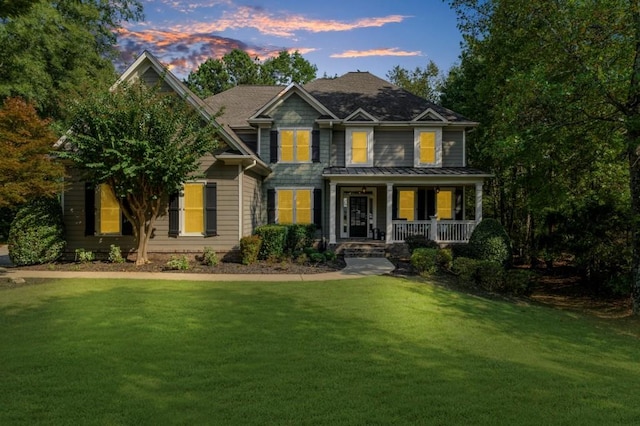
column 359, row 157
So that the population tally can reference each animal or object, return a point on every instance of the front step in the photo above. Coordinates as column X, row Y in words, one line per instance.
column 360, row 249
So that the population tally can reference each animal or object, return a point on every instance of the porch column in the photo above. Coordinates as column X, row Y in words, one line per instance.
column 332, row 212
column 389, row 234
column 479, row 202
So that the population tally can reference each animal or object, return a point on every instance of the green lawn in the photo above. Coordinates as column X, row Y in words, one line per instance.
column 368, row 351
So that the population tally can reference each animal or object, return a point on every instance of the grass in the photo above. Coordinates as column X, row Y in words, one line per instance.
column 369, row 351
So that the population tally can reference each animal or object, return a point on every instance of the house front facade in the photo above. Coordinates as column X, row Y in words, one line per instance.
column 359, row 157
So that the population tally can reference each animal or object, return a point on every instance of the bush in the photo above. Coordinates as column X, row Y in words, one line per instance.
column 115, row 254
column 330, row 255
column 84, row 256
column 490, row 275
column 419, row 241
column 489, row 241
column 274, row 238
column 249, row 249
column 461, row 250
column 317, row 257
column 465, row 270
column 37, row 233
column 424, row 260
column 178, row 263
column 517, row 281
column 299, row 236
column 444, row 259
column 209, row 257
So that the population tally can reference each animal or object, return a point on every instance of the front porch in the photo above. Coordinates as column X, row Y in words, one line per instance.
column 445, row 211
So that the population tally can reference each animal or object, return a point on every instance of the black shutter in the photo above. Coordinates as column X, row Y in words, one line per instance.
column 271, row 206
column 422, row 204
column 458, row 206
column 125, row 225
column 315, row 146
column 273, row 147
column 394, row 205
column 89, row 209
column 431, row 203
column 174, row 214
column 211, row 210
column 317, row 207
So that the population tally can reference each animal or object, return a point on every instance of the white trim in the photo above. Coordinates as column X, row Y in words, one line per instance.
column 416, row 146
column 348, row 142
column 357, row 112
column 284, row 94
column 431, row 112
column 295, row 131
column 464, row 148
column 347, row 192
column 295, row 190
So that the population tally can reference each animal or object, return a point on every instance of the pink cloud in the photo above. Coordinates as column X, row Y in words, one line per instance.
column 393, row 51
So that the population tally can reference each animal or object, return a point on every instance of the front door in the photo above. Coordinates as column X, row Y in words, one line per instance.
column 358, row 216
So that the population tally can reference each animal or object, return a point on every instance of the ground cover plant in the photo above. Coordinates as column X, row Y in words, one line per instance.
column 379, row 350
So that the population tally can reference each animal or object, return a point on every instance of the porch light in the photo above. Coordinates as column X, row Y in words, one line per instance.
column 364, row 189
column 437, row 189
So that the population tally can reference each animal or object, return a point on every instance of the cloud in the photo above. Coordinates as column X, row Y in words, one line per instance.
column 182, row 52
column 281, row 25
column 393, row 51
column 186, row 6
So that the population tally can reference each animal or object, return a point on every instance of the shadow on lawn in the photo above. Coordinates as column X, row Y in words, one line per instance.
column 370, row 351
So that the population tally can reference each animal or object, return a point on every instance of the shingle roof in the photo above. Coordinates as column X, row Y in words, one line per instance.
column 402, row 171
column 386, row 101
column 240, row 103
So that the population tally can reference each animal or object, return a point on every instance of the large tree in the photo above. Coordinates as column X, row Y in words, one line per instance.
column 26, row 169
column 237, row 67
column 144, row 144
column 52, row 51
column 561, row 84
column 425, row 82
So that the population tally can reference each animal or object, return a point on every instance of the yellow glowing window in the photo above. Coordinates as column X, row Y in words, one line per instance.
column 427, row 147
column 109, row 211
column 286, row 145
column 406, row 204
column 285, row 206
column 302, row 145
column 445, row 205
column 193, row 208
column 359, row 147
column 303, row 206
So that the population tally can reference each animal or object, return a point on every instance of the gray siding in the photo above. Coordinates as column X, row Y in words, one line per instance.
column 151, row 77
column 337, row 149
column 252, row 203
column 452, row 148
column 226, row 178
column 393, row 148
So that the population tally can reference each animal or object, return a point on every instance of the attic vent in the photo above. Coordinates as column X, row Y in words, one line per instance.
column 430, row 117
column 360, row 117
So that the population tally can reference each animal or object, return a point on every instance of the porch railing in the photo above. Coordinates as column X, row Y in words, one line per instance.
column 442, row 231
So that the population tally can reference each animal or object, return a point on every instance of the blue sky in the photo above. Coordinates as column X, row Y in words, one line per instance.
column 336, row 35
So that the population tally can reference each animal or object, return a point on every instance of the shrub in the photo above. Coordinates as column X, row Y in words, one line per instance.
column 299, row 236
column 517, row 281
column 489, row 241
column 115, row 254
column 37, row 233
column 419, row 241
column 209, row 257
column 461, row 250
column 274, row 238
column 302, row 259
column 249, row 249
column 330, row 255
column 444, row 259
column 424, row 260
column 84, row 256
column 178, row 263
column 465, row 270
column 317, row 257
column 490, row 275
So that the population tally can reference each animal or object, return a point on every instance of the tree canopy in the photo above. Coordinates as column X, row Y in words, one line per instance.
column 144, row 144
column 556, row 87
column 26, row 169
column 425, row 82
column 237, row 67
column 52, row 51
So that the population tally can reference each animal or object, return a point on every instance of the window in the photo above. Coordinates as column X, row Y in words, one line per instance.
column 406, row 204
column 193, row 211
column 103, row 215
column 294, row 206
column 359, row 147
column 444, row 204
column 427, row 147
column 295, row 146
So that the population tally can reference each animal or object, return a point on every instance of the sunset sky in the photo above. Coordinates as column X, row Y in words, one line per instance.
column 336, row 35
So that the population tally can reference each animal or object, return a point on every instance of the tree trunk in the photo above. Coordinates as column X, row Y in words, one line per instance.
column 141, row 257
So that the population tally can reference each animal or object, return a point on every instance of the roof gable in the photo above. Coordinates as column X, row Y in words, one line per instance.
column 360, row 115
column 281, row 97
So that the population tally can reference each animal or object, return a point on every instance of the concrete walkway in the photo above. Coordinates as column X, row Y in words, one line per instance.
column 356, row 268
